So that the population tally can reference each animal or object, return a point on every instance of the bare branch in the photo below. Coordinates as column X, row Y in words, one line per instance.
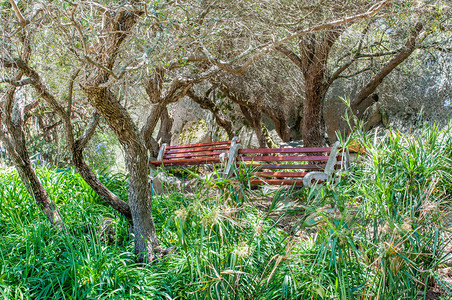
column 23, row 22
column 291, row 55
column 371, row 13
column 22, row 82
column 379, row 54
column 47, row 129
column 38, row 84
column 410, row 46
column 100, row 66
column 182, row 82
column 70, row 91
column 178, row 88
column 355, row 73
column 352, row 60
column 78, row 26
column 208, row 104
column 89, row 131
column 31, row 106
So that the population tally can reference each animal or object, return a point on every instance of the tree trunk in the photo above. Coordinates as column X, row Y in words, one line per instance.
column 254, row 118
column 150, row 125
column 76, row 147
column 166, row 123
column 91, row 179
column 31, row 181
column 147, row 245
column 312, row 129
column 314, row 50
column 17, row 149
column 106, row 104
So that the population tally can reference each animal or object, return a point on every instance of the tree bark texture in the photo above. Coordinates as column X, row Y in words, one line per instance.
column 15, row 143
column 91, row 179
column 76, row 147
column 311, row 130
column 314, row 52
column 95, row 86
column 136, row 158
column 370, row 87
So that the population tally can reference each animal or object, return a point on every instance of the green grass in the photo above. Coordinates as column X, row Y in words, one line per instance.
column 378, row 232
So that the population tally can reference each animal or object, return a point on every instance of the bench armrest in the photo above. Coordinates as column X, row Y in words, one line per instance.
column 313, row 177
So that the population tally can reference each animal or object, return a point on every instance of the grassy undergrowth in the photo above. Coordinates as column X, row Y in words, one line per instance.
column 380, row 232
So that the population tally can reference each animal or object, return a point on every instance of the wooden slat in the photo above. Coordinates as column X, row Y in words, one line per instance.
column 284, row 150
column 277, row 182
column 283, row 158
column 282, row 174
column 199, row 145
column 187, row 161
column 195, row 154
column 201, row 149
column 286, row 167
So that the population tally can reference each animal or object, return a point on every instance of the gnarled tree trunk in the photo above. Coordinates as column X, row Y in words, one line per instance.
column 15, row 143
column 140, row 199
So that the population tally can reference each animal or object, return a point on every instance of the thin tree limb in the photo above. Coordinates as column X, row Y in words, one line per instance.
column 89, row 131
column 242, row 69
column 23, row 22
column 17, row 82
column 370, row 87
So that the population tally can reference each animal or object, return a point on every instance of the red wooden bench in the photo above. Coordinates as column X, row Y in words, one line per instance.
column 292, row 166
column 194, row 154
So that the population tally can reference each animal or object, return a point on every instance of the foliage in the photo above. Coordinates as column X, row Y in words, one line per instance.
column 379, row 231
column 103, row 152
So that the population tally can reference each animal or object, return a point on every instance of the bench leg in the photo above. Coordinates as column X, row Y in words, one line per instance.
column 232, row 155
column 332, row 160
column 161, row 152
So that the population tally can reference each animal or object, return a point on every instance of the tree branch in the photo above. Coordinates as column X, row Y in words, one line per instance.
column 89, row 131
column 370, row 87
column 208, row 104
column 17, row 83
column 355, row 73
column 291, row 55
column 242, row 69
column 70, row 91
column 352, row 60
column 23, row 22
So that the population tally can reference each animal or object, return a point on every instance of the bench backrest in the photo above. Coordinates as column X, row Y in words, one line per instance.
column 289, row 166
column 193, row 154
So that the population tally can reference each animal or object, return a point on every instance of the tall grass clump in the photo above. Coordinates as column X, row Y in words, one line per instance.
column 38, row 262
column 384, row 227
column 226, row 247
column 379, row 230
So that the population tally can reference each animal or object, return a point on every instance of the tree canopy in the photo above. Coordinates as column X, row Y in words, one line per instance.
column 77, row 64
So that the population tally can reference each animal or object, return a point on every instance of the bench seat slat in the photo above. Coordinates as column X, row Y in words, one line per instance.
column 285, row 150
column 283, row 158
column 296, row 182
column 186, row 161
column 196, row 154
column 201, row 149
column 199, row 145
column 285, row 167
column 282, row 174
